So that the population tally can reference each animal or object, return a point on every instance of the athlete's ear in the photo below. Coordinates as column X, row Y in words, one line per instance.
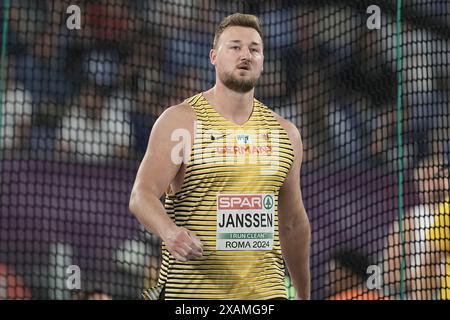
column 212, row 56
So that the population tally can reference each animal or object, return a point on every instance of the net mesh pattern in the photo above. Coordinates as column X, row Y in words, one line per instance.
column 78, row 103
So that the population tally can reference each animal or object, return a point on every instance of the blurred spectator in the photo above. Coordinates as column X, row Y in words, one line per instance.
column 426, row 96
column 41, row 67
column 428, row 129
column 12, row 286
column 371, row 72
column 307, row 24
column 16, row 111
column 190, row 45
column 436, row 9
column 362, row 117
column 349, row 129
column 109, row 37
column 383, row 134
column 272, row 86
column 27, row 19
column 307, row 105
column 144, row 75
column 186, row 84
column 426, row 236
column 383, row 145
column 189, row 49
column 278, row 25
column 100, row 65
column 347, row 276
column 98, row 128
column 337, row 34
column 42, row 70
column 110, row 21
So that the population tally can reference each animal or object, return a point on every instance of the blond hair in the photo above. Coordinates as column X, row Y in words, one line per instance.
column 237, row 20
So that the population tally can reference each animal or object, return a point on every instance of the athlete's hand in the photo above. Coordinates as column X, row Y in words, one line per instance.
column 183, row 244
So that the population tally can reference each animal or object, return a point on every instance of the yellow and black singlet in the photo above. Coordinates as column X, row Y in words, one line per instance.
column 229, row 198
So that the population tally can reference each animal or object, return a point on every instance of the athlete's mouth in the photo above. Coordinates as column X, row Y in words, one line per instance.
column 244, row 67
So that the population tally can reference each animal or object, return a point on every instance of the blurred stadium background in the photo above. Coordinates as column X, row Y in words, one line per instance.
column 77, row 107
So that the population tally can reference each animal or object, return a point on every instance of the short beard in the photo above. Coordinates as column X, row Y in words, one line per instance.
column 241, row 86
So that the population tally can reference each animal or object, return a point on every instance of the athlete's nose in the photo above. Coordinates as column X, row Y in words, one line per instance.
column 246, row 54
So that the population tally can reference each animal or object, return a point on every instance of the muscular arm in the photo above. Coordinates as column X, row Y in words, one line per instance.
column 156, row 172
column 295, row 232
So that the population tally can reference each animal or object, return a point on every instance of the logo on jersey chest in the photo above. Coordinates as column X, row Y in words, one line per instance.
column 241, row 143
column 242, row 138
column 258, row 145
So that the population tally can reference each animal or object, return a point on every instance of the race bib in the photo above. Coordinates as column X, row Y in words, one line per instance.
column 245, row 222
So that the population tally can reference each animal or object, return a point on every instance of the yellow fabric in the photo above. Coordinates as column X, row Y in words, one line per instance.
column 258, row 167
column 439, row 233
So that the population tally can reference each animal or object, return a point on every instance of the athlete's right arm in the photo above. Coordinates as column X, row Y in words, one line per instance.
column 157, row 170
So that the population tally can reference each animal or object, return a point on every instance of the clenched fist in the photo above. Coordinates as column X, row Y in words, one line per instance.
column 183, row 244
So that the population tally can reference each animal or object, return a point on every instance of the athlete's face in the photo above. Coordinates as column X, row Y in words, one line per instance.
column 238, row 58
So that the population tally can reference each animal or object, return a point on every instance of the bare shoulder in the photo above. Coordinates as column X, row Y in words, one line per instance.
column 182, row 113
column 180, row 116
column 291, row 129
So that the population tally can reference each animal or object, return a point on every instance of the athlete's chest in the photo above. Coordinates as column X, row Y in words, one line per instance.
column 234, row 147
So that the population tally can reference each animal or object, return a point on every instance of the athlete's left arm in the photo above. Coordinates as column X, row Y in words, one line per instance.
column 294, row 227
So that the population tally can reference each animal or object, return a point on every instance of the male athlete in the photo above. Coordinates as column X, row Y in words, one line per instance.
column 233, row 207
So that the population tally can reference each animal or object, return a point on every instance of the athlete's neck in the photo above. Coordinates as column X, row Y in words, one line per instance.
column 234, row 106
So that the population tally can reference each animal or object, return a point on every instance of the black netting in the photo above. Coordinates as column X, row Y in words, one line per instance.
column 77, row 106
